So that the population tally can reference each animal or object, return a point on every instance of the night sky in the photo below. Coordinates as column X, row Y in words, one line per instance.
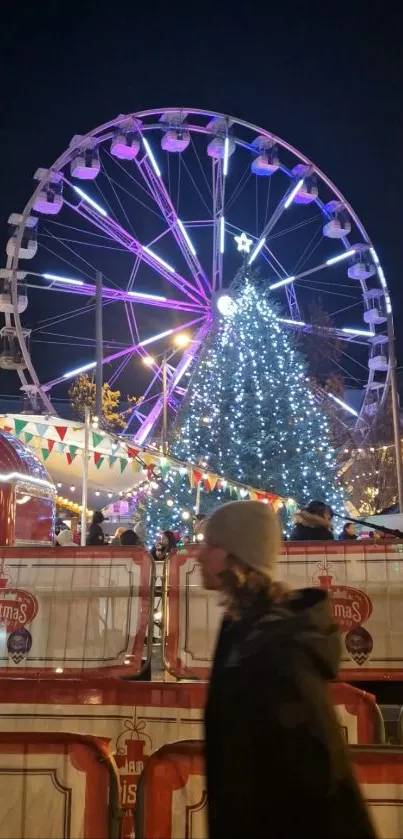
column 330, row 84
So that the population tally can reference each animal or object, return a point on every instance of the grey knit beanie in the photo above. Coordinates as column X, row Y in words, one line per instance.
column 250, row 530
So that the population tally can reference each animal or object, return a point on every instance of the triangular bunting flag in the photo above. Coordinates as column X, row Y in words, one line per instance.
column 123, row 464
column 69, row 458
column 136, row 466
column 45, row 453
column 61, row 430
column 196, row 476
column 51, row 443
column 73, row 451
column 211, row 482
column 28, row 437
column 147, row 458
column 41, row 428
column 36, row 442
column 7, row 428
column 96, row 439
column 112, row 460
column 19, row 425
column 97, row 458
column 59, row 448
column 99, row 462
column 132, row 452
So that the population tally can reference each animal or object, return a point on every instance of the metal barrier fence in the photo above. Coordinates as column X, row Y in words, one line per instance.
column 57, row 786
column 74, row 611
column 172, row 794
column 364, row 581
column 69, row 611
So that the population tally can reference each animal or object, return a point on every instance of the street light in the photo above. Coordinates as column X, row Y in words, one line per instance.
column 180, row 340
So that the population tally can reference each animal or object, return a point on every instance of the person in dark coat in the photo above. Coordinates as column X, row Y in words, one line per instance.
column 313, row 524
column 96, row 535
column 276, row 762
column 129, row 537
column 348, row 533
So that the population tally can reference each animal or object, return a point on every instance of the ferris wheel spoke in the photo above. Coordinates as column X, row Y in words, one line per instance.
column 163, row 200
column 348, row 334
column 188, row 356
column 76, row 286
column 131, row 244
column 138, row 348
column 218, row 223
column 283, row 204
column 328, row 263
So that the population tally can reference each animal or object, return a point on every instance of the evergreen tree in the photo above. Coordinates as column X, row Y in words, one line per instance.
column 249, row 415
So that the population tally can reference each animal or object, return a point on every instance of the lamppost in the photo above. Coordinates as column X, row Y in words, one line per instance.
column 180, row 341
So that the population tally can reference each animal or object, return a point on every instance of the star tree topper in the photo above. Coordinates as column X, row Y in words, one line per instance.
column 243, row 243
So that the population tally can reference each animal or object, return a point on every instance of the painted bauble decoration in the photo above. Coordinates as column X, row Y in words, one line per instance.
column 19, row 644
column 359, row 644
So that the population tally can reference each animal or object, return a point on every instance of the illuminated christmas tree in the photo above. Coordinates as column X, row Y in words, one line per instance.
column 249, row 415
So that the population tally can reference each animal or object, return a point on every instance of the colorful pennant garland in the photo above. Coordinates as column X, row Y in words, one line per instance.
column 96, row 439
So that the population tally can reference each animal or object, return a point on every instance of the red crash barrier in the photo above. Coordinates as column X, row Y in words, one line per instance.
column 365, row 584
column 359, row 715
column 380, row 773
column 138, row 718
column 172, row 795
column 57, row 785
column 74, row 610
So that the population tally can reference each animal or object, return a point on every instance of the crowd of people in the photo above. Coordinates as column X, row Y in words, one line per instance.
column 313, row 523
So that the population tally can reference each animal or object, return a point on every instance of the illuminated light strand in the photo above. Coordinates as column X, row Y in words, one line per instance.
column 281, row 283
column 344, row 405
column 382, row 279
column 155, row 338
column 186, row 236
column 150, row 154
column 158, row 259
column 226, row 157
column 90, row 201
column 345, row 255
column 256, row 250
column 222, row 234
column 18, row 476
column 143, row 296
column 293, row 193
column 78, row 370
column 55, row 278
column 349, row 331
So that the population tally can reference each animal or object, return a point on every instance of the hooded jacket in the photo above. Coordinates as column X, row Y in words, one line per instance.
column 309, row 527
column 276, row 762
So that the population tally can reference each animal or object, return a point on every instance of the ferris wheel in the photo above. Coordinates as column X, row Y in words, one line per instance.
column 168, row 204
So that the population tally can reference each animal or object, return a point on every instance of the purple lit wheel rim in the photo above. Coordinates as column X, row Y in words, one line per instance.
column 204, row 267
